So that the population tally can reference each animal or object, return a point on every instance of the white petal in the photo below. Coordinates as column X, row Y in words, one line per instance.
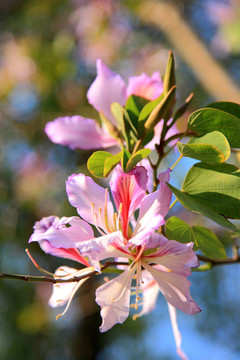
column 176, row 332
column 114, row 299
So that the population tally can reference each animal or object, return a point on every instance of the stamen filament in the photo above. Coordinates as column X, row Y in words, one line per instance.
column 75, row 289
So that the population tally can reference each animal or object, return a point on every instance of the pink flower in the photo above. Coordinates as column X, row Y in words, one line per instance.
column 108, row 87
column 121, row 235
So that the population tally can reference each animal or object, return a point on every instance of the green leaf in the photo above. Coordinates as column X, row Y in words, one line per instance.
column 96, row 162
column 212, row 148
column 191, row 204
column 146, row 111
column 203, row 238
column 177, row 229
column 138, row 156
column 183, row 108
column 208, row 243
column 123, row 120
column 117, row 111
column 217, row 187
column 110, row 163
column 227, row 106
column 112, row 129
column 207, row 120
column 125, row 157
column 134, row 106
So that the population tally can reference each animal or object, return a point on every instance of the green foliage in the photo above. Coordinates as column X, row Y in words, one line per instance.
column 110, row 163
column 212, row 148
column 217, row 187
column 96, row 163
column 209, row 119
column 136, row 158
column 203, row 238
column 145, row 112
column 134, row 106
column 192, row 204
column 169, row 77
column 160, row 111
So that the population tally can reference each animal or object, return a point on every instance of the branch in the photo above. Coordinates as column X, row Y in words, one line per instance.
column 54, row 280
column 216, row 262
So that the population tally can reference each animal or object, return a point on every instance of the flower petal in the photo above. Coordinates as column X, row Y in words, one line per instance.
column 176, row 332
column 175, row 289
column 107, row 88
column 150, row 291
column 65, row 233
column 72, row 254
column 145, row 86
column 114, row 298
column 128, row 190
column 54, row 239
column 152, row 211
column 91, row 200
column 175, row 256
column 62, row 291
column 95, row 248
column 78, row 132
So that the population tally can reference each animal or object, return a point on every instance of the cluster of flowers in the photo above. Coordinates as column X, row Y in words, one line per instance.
column 128, row 226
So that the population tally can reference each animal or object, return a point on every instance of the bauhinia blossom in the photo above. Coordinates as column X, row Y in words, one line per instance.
column 121, row 235
column 107, row 88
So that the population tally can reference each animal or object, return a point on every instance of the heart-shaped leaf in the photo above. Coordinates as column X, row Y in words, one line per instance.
column 96, row 162
column 207, row 120
column 212, row 148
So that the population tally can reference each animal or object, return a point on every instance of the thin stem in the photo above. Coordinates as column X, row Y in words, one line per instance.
column 173, row 203
column 216, row 262
column 173, row 166
column 53, row 280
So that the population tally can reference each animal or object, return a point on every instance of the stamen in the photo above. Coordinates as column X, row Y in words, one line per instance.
column 119, row 214
column 75, row 289
column 37, row 266
column 96, row 225
column 136, row 316
column 105, row 211
column 124, row 284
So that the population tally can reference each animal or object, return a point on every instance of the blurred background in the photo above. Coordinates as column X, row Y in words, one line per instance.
column 48, row 51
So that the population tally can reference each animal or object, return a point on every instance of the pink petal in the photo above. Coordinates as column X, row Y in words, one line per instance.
column 157, row 135
column 175, row 256
column 95, row 248
column 145, row 86
column 164, row 176
column 49, row 230
column 107, row 88
column 175, row 289
column 78, row 132
column 155, row 240
column 72, row 254
column 114, row 298
column 152, row 211
column 91, row 200
column 128, row 191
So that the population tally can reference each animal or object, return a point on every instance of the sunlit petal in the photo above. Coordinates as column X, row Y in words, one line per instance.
column 91, row 200
column 149, row 87
column 107, row 88
column 114, row 298
column 175, row 289
column 75, row 132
